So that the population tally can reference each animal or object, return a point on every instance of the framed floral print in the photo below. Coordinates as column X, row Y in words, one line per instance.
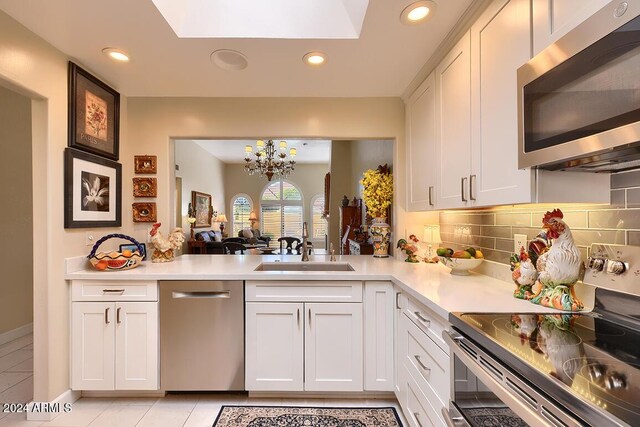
column 92, row 191
column 145, row 164
column 144, row 212
column 94, row 114
column 145, row 187
column 201, row 202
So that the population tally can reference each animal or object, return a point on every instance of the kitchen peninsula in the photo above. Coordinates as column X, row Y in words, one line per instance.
column 376, row 329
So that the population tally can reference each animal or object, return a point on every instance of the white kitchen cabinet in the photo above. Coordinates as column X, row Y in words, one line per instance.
column 553, row 19
column 333, row 347
column 312, row 344
column 453, row 121
column 114, row 346
column 274, row 350
column 379, row 300
column 421, row 147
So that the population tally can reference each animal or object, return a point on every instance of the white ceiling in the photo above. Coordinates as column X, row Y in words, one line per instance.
column 232, row 151
column 288, row 19
column 382, row 62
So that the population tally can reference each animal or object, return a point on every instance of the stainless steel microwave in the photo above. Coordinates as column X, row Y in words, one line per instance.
column 579, row 99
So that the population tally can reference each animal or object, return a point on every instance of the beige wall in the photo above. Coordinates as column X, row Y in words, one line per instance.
column 16, row 254
column 200, row 171
column 368, row 155
column 308, row 177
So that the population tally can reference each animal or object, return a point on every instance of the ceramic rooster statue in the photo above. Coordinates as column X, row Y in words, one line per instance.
column 559, row 267
column 524, row 274
column 164, row 247
column 410, row 249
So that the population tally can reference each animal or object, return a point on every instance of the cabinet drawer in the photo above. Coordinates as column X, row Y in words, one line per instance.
column 308, row 291
column 108, row 290
column 427, row 363
column 429, row 322
column 418, row 410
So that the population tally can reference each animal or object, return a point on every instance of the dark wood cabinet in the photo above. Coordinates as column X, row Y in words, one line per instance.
column 350, row 220
column 360, row 248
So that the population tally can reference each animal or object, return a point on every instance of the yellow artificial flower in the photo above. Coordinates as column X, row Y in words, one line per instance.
column 378, row 192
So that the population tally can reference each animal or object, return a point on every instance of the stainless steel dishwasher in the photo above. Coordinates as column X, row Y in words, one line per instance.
column 201, row 335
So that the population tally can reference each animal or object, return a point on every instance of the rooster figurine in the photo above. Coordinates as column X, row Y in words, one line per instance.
column 559, row 267
column 410, row 249
column 164, row 247
column 524, row 274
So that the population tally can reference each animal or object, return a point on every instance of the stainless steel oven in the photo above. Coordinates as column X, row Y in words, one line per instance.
column 579, row 99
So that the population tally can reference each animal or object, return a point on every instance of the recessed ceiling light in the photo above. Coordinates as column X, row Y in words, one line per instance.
column 418, row 12
column 230, row 60
column 116, row 54
column 314, row 59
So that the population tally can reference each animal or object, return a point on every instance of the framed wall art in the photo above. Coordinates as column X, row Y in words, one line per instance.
column 145, row 164
column 144, row 212
column 201, row 202
column 145, row 187
column 92, row 191
column 94, row 114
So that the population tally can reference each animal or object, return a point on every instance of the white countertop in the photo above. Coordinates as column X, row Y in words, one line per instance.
column 430, row 284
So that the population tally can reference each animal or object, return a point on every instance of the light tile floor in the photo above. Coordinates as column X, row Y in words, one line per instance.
column 174, row 410
column 16, row 372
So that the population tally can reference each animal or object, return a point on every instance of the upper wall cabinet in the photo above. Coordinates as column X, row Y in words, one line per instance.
column 453, row 126
column 552, row 19
column 421, row 147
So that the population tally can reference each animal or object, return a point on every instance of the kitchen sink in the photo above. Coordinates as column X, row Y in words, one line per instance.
column 304, row 266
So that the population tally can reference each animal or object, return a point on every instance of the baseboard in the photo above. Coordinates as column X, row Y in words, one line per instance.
column 47, row 411
column 111, row 393
column 16, row 333
column 320, row 395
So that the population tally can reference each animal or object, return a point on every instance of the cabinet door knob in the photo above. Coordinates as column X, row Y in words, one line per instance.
column 106, row 315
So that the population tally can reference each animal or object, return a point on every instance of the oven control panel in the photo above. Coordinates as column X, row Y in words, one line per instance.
column 615, row 267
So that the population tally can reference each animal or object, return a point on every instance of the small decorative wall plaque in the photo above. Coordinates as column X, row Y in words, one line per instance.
column 145, row 187
column 144, row 212
column 146, row 165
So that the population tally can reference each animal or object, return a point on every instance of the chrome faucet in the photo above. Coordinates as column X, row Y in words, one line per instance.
column 333, row 252
column 305, row 236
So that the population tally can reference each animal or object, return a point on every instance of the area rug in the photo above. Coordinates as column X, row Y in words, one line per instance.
column 493, row 417
column 290, row 416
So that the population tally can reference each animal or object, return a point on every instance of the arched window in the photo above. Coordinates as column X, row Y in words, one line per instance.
column 241, row 206
column 281, row 210
column 318, row 223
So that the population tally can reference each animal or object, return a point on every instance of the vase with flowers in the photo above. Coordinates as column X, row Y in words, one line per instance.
column 378, row 195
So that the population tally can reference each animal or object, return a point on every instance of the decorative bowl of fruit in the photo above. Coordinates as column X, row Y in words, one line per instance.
column 461, row 261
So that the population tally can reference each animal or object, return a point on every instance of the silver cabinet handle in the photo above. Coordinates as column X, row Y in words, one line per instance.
column 431, row 196
column 118, row 314
column 309, row 317
column 422, row 365
column 397, row 300
column 106, row 315
column 462, row 187
column 201, row 294
column 298, row 317
column 423, row 319
column 416, row 415
column 453, row 420
column 472, row 183
column 113, row 291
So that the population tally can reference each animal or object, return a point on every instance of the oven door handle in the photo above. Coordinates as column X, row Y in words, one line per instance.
column 453, row 417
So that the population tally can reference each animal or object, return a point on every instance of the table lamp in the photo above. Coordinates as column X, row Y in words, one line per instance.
column 221, row 218
column 253, row 218
column 431, row 236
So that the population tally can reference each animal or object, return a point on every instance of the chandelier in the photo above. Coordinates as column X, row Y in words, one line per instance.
column 268, row 160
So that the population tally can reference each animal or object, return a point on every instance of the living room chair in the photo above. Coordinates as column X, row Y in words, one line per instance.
column 231, row 248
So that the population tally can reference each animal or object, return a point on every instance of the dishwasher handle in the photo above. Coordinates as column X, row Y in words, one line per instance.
column 201, row 294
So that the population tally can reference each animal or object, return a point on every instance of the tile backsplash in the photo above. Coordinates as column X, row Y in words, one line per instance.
column 492, row 229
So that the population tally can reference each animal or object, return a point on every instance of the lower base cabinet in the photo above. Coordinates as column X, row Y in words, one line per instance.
column 304, row 346
column 114, row 346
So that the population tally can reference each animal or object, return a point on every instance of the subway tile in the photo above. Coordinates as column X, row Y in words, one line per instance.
column 625, row 179
column 618, row 198
column 584, row 253
column 531, row 232
column 497, row 256
column 633, row 198
column 587, row 237
column 496, row 231
column 617, row 219
column 453, row 218
column 575, row 219
column 504, row 245
column 482, row 219
column 521, row 219
column 633, row 238
column 487, row 242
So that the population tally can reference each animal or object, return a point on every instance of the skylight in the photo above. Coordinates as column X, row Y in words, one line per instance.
column 270, row 19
